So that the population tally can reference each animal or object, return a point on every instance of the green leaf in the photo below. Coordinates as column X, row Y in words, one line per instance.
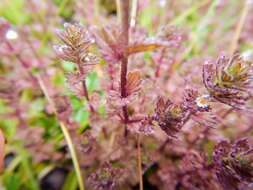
column 11, row 181
column 37, row 106
column 68, row 66
column 92, row 81
column 59, row 79
column 14, row 11
column 82, row 116
column 28, row 172
column 76, row 103
column 9, row 127
column 70, row 182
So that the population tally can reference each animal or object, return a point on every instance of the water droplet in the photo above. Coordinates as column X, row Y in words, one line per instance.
column 66, row 25
column 11, row 34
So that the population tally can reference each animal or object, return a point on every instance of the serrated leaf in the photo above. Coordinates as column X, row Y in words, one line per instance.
column 133, row 82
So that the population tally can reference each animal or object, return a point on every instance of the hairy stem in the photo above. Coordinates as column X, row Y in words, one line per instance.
column 139, row 161
column 85, row 90
column 81, row 70
column 124, row 10
column 86, row 94
column 124, row 6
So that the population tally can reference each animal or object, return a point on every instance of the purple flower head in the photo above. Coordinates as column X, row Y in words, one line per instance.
column 76, row 42
column 76, row 48
column 107, row 177
column 228, row 80
column 234, row 164
column 169, row 116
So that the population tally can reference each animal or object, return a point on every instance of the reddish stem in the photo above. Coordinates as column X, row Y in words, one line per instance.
column 85, row 90
column 124, row 6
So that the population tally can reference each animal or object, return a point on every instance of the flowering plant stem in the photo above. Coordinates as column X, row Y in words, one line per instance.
column 124, row 12
column 124, row 17
column 85, row 90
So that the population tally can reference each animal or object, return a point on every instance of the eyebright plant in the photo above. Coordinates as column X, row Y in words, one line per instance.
column 145, row 105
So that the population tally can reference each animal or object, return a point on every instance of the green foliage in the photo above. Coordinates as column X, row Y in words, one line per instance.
column 70, row 182
column 92, row 82
column 12, row 181
column 13, row 11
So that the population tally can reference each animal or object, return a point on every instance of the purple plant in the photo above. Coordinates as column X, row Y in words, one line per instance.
column 149, row 120
column 77, row 42
column 233, row 164
column 229, row 80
